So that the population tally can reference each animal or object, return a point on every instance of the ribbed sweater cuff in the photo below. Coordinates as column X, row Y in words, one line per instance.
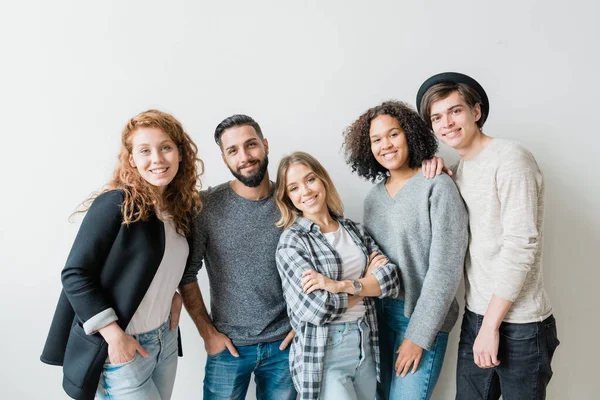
column 421, row 334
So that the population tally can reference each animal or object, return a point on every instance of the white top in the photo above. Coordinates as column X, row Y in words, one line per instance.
column 503, row 189
column 353, row 264
column 156, row 305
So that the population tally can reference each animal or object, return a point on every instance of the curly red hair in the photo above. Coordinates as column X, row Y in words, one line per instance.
column 180, row 199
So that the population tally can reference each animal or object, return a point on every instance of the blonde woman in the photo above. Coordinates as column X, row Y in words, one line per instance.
column 112, row 331
column 329, row 268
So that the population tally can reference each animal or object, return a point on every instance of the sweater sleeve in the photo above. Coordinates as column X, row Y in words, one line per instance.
column 388, row 275
column 449, row 239
column 198, row 242
column 318, row 307
column 519, row 183
column 92, row 244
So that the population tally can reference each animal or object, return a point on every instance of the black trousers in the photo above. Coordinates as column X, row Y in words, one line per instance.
column 525, row 354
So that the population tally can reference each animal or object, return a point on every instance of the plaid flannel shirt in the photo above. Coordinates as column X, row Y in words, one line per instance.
column 303, row 247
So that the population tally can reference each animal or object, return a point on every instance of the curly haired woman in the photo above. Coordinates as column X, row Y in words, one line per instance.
column 421, row 225
column 112, row 331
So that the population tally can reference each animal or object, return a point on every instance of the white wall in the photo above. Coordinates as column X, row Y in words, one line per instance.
column 73, row 72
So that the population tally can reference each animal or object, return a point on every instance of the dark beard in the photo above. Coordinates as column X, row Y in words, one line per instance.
column 256, row 178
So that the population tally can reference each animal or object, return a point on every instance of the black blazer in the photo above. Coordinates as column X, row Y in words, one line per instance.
column 110, row 265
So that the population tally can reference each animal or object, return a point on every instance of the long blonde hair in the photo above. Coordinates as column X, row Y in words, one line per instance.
column 180, row 198
column 289, row 213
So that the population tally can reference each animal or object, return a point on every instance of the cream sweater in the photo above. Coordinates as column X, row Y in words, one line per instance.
column 503, row 189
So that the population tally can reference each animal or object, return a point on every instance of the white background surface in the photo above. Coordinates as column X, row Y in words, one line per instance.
column 72, row 73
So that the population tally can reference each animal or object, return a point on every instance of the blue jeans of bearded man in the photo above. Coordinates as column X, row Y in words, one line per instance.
column 227, row 377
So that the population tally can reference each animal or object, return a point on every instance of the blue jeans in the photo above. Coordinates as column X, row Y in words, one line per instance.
column 392, row 329
column 525, row 354
column 150, row 378
column 349, row 367
column 227, row 377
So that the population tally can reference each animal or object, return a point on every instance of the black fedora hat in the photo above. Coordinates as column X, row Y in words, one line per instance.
column 455, row 77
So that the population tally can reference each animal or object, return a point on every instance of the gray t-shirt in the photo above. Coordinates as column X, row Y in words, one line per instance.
column 424, row 231
column 237, row 239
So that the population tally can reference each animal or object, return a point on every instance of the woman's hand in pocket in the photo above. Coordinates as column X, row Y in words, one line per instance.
column 121, row 346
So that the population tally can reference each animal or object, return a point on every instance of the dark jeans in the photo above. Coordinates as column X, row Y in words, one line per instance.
column 525, row 354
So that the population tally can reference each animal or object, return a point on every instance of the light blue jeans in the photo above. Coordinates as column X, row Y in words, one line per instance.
column 150, row 378
column 349, row 367
column 392, row 329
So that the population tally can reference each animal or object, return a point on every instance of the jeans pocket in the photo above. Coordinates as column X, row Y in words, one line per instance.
column 335, row 336
column 519, row 341
column 108, row 364
column 518, row 331
column 220, row 353
column 551, row 336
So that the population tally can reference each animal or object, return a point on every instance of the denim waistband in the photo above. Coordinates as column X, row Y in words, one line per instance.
column 348, row 325
column 542, row 320
column 154, row 332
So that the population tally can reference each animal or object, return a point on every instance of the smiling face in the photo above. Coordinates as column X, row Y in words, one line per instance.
column 306, row 191
column 454, row 122
column 388, row 143
column 155, row 155
column 245, row 154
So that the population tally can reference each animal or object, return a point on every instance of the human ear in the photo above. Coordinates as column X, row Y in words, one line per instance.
column 477, row 112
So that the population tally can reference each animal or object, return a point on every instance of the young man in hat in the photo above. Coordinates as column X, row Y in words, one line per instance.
column 508, row 333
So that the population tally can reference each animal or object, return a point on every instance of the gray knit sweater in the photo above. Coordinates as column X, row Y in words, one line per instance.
column 424, row 231
column 237, row 238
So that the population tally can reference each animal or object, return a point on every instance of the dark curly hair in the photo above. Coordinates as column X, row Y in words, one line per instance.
column 422, row 143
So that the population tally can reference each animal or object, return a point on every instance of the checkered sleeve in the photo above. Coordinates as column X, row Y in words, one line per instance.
column 319, row 307
column 388, row 276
